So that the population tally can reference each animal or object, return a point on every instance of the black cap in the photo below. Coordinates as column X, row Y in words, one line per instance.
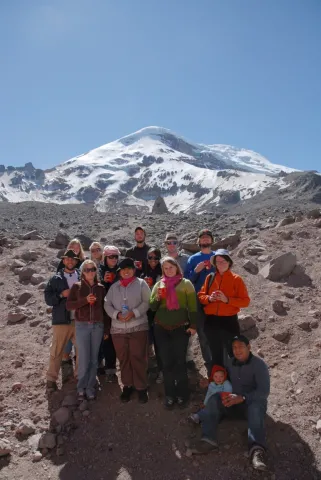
column 70, row 254
column 240, row 338
column 126, row 263
column 140, row 228
column 205, row 231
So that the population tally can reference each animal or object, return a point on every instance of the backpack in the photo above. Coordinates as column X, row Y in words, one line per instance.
column 211, row 280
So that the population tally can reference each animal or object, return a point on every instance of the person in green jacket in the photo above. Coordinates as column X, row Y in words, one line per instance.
column 173, row 299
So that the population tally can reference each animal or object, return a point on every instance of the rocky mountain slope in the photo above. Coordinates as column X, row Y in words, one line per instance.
column 133, row 171
column 54, row 438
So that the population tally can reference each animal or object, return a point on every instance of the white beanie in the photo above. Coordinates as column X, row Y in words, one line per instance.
column 111, row 250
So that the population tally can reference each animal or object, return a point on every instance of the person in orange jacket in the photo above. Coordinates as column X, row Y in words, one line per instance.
column 222, row 297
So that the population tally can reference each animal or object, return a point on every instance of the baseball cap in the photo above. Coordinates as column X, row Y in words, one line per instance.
column 205, row 231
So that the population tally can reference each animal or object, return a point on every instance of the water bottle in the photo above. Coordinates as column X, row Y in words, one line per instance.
column 124, row 310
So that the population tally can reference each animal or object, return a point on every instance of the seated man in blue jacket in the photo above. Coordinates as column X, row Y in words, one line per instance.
column 250, row 380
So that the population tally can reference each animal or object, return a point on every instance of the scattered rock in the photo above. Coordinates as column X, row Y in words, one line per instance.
column 315, row 213
column 29, row 256
column 9, row 297
column 281, row 336
column 279, row 307
column 304, row 325
column 285, row 221
column 5, row 447
column 314, row 313
column 318, row 426
column 286, row 235
column 86, row 413
column 246, row 322
column 61, row 416
column 264, row 258
column 16, row 387
column 17, row 264
column 26, row 273
column 33, row 441
column 36, row 457
column 70, row 401
column 25, row 428
column 251, row 267
column 47, row 440
column 15, row 317
column 36, row 279
column 24, row 297
column 33, row 235
column 280, row 267
column 83, row 406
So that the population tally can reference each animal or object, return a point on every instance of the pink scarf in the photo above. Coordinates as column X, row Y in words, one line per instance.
column 126, row 281
column 171, row 297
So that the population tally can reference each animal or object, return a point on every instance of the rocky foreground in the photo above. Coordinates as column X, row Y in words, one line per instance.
column 276, row 249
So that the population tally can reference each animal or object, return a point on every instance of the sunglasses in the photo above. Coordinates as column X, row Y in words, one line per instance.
column 96, row 250
column 92, row 269
column 151, row 257
column 113, row 257
column 171, row 242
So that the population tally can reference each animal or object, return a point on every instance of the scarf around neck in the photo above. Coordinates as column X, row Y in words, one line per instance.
column 126, row 281
column 171, row 297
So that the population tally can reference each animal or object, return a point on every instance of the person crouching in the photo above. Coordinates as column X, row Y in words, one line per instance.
column 87, row 298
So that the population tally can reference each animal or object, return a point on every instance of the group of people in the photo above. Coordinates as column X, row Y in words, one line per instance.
column 112, row 307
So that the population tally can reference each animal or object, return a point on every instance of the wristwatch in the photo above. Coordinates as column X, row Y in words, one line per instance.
column 244, row 398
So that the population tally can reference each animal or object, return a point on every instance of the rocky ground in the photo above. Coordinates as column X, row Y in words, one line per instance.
column 56, row 439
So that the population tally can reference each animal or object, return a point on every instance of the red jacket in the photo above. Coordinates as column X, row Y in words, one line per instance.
column 232, row 286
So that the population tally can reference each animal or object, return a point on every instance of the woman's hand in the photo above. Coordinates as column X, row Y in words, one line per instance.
column 125, row 318
column 106, row 336
column 192, row 331
column 199, row 267
column 219, row 295
column 91, row 298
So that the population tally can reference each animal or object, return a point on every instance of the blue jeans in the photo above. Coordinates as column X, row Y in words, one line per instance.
column 88, row 340
column 214, row 410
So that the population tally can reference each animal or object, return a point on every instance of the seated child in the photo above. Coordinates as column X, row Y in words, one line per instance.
column 218, row 383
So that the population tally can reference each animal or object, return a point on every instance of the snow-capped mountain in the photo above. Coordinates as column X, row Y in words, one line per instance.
column 139, row 167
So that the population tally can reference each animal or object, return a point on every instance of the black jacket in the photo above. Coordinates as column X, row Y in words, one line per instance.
column 103, row 268
column 58, row 283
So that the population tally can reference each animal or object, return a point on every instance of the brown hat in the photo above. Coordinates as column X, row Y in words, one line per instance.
column 205, row 231
column 171, row 236
column 70, row 254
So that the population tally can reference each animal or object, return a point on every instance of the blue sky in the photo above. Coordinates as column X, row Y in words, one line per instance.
column 76, row 74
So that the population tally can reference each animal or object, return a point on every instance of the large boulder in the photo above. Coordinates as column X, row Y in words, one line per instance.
column 285, row 221
column 84, row 240
column 62, row 415
column 61, row 241
column 315, row 213
column 36, row 279
column 280, row 267
column 159, row 206
column 24, row 297
column 251, row 267
column 231, row 241
column 29, row 256
column 33, row 235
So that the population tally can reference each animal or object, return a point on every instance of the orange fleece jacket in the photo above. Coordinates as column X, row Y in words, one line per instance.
column 232, row 286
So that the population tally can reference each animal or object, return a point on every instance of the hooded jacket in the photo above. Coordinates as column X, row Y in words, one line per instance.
column 54, row 287
column 213, row 387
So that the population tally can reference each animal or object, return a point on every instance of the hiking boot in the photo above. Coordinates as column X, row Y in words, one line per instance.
column 111, row 378
column 258, row 459
column 202, row 447
column 142, row 396
column 126, row 394
column 67, row 370
column 194, row 419
column 51, row 386
column 169, row 403
column 182, row 402
column 160, row 378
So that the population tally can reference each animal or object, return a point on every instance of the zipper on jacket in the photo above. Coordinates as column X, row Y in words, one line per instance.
column 219, row 287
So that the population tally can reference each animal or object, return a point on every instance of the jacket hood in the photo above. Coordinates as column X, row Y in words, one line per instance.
column 217, row 368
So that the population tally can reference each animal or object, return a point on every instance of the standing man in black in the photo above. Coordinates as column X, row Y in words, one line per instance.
column 139, row 252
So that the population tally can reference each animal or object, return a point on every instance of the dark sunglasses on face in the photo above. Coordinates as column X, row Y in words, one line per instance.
column 171, row 242
column 92, row 269
column 96, row 250
column 113, row 257
column 151, row 257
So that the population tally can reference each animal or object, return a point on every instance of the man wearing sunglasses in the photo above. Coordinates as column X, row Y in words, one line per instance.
column 139, row 252
column 172, row 247
column 63, row 325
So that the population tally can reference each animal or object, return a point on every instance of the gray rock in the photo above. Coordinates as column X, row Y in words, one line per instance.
column 246, row 322
column 251, row 222
column 25, row 428
column 304, row 325
column 159, row 206
column 17, row 264
column 251, row 267
column 33, row 441
column 24, row 297
column 42, row 285
column 286, row 235
column 83, row 406
column 47, row 440
column 36, row 279
column 264, row 258
column 315, row 213
column 285, row 221
column 70, row 401
column 62, row 239
column 29, row 256
column 9, row 297
column 26, row 273
column 318, row 426
column 230, row 241
column 33, row 235
column 279, row 307
column 5, row 447
column 15, row 317
column 280, row 267
column 61, row 416
column 281, row 335
column 84, row 240
column 36, row 457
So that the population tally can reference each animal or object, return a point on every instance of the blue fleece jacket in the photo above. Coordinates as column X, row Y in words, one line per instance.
column 251, row 379
column 215, row 388
column 197, row 279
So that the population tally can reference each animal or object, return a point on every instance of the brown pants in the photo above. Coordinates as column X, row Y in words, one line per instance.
column 61, row 334
column 131, row 350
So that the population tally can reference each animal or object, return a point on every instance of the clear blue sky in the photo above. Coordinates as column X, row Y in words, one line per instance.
column 76, row 74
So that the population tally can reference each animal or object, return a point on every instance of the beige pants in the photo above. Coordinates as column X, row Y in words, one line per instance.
column 61, row 334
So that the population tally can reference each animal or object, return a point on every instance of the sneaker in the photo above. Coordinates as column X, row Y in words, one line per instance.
column 202, row 447
column 126, row 394
column 111, row 378
column 142, row 396
column 51, row 386
column 160, row 378
column 67, row 370
column 182, row 402
column 169, row 403
column 194, row 418
column 258, row 459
